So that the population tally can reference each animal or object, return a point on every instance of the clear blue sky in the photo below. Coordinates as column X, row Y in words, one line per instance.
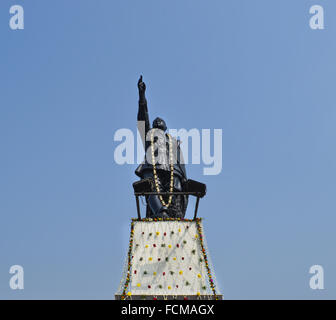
column 253, row 68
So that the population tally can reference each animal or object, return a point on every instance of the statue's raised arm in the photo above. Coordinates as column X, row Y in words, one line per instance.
column 143, row 119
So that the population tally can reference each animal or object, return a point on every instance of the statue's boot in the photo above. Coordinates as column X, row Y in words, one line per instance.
column 164, row 213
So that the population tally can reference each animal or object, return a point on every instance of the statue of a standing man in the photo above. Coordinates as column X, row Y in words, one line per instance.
column 163, row 164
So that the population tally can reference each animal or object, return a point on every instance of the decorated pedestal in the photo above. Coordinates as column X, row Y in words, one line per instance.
column 167, row 259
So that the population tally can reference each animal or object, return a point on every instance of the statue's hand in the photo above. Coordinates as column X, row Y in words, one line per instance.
column 141, row 87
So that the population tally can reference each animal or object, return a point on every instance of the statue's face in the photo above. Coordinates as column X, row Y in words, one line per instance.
column 159, row 124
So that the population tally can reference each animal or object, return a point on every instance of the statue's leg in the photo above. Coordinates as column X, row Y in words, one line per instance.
column 178, row 208
column 157, row 210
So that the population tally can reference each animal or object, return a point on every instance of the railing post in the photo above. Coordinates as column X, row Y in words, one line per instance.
column 196, row 207
column 138, row 206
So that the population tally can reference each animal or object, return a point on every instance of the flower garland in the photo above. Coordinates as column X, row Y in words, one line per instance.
column 129, row 264
column 165, row 219
column 171, row 188
column 211, row 282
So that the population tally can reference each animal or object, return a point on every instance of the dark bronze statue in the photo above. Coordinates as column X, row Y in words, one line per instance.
column 163, row 165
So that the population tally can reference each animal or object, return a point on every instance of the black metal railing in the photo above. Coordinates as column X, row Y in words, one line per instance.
column 198, row 195
column 145, row 187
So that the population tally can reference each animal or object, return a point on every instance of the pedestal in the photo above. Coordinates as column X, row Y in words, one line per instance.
column 167, row 259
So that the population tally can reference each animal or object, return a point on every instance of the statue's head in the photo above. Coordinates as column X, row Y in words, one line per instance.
column 159, row 124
